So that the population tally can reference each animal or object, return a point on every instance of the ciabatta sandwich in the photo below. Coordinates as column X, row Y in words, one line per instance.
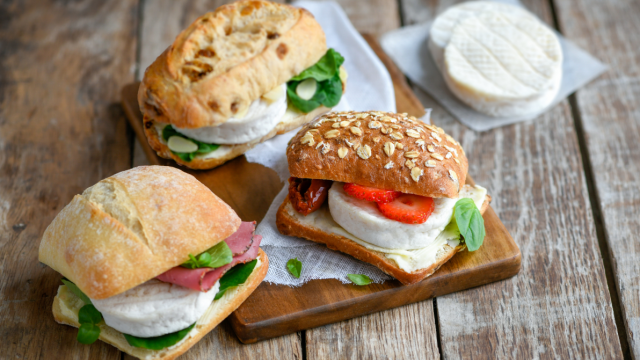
column 152, row 261
column 384, row 188
column 237, row 77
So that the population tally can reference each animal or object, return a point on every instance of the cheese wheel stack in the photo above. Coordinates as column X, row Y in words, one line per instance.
column 499, row 59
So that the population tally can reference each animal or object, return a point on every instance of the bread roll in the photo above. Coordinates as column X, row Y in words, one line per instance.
column 133, row 226
column 227, row 59
column 381, row 150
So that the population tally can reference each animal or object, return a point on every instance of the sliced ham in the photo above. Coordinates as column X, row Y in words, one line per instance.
column 238, row 240
column 202, row 279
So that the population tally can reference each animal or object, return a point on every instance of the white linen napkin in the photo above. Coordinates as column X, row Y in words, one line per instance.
column 369, row 87
column 408, row 49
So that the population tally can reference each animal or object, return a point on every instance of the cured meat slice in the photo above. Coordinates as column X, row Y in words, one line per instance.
column 203, row 279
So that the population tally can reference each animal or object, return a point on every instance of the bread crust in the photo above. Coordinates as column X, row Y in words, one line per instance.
column 381, row 150
column 66, row 307
column 133, row 226
column 288, row 225
column 278, row 41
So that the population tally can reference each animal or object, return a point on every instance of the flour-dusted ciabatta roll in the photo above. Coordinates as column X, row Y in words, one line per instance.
column 384, row 188
column 152, row 261
column 236, row 77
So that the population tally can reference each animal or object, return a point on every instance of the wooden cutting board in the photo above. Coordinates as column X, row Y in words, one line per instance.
column 275, row 310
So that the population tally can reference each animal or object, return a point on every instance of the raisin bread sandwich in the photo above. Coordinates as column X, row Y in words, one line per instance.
column 152, row 261
column 385, row 188
column 237, row 77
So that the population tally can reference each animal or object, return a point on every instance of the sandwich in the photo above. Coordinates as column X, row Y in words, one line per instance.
column 152, row 261
column 385, row 188
column 235, row 78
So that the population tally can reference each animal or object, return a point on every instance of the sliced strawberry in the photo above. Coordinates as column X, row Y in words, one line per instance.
column 370, row 194
column 408, row 209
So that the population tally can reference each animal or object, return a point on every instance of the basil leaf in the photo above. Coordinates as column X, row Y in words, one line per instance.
column 359, row 279
column 88, row 333
column 295, row 267
column 203, row 148
column 237, row 275
column 470, row 223
column 89, row 317
column 217, row 256
column 158, row 342
column 328, row 94
column 88, row 314
column 76, row 291
column 324, row 69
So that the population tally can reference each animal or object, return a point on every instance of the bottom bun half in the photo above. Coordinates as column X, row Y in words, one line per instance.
column 66, row 307
column 288, row 223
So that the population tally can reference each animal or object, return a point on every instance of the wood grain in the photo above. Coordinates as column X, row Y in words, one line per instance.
column 406, row 332
column 559, row 305
column 609, row 112
column 62, row 65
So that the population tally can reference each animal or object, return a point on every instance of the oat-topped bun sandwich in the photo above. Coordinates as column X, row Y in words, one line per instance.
column 384, row 188
column 152, row 261
column 236, row 77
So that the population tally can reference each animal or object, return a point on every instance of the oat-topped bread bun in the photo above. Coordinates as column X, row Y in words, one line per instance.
column 385, row 188
column 230, row 81
column 146, row 249
column 378, row 149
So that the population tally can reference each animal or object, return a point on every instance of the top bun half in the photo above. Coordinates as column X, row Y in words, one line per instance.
column 227, row 59
column 381, row 150
column 132, row 227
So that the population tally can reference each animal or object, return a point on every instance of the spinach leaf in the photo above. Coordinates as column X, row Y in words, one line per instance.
column 359, row 279
column 88, row 333
column 470, row 223
column 328, row 94
column 295, row 267
column 89, row 317
column 324, row 69
column 76, row 291
column 329, row 89
column 237, row 275
column 217, row 256
column 158, row 342
column 203, row 148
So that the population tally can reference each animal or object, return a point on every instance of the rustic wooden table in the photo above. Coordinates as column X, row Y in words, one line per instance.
column 565, row 185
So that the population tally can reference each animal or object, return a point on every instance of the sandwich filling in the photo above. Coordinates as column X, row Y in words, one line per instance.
column 318, row 85
column 379, row 220
column 162, row 311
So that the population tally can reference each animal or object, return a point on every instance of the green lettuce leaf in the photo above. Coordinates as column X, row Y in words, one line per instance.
column 76, row 291
column 295, row 267
column 237, row 275
column 217, row 256
column 329, row 89
column 324, row 69
column 158, row 342
column 203, row 148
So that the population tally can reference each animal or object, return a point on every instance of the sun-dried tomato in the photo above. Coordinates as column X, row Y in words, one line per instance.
column 307, row 195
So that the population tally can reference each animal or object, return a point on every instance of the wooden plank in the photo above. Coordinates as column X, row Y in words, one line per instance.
column 62, row 65
column 609, row 110
column 559, row 305
column 406, row 332
column 326, row 301
column 162, row 21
